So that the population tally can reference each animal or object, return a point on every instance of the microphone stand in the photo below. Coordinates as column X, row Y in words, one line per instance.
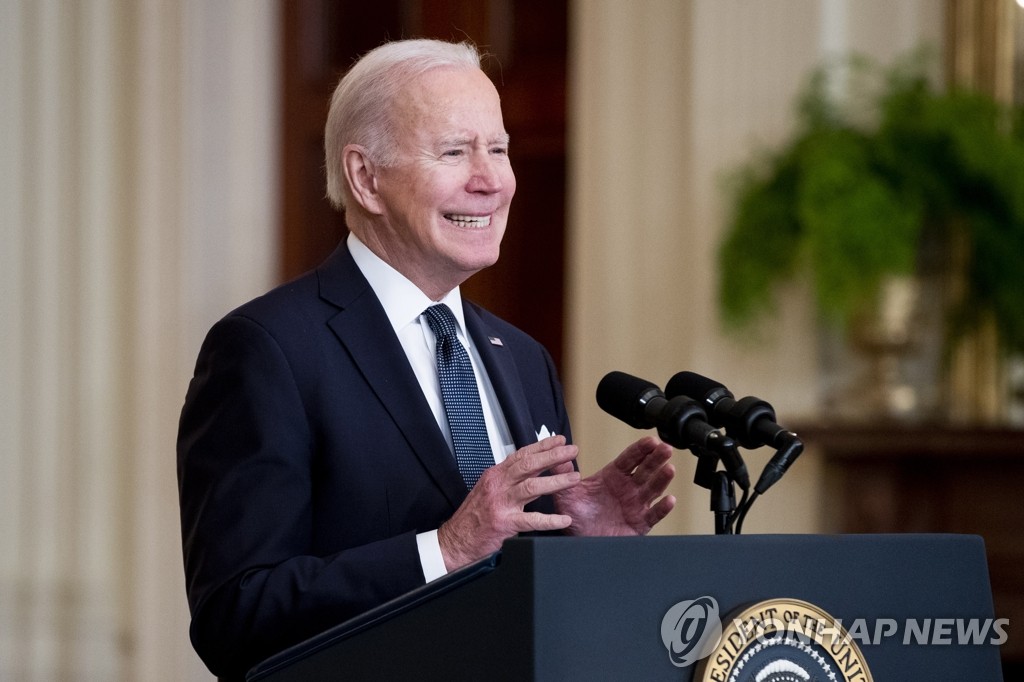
column 723, row 495
column 723, row 503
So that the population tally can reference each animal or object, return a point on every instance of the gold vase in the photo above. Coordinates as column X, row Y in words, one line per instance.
column 888, row 364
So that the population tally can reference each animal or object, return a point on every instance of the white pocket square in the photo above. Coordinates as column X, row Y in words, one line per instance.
column 544, row 433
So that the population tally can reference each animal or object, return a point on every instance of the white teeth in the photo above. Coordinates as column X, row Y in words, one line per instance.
column 469, row 220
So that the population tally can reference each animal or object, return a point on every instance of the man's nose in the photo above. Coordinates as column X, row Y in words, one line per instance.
column 486, row 173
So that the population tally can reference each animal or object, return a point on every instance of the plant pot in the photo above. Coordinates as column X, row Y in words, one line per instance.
column 888, row 364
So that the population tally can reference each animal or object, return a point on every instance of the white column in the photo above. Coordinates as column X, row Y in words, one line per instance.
column 205, row 219
column 12, row 431
column 137, row 204
column 60, row 406
column 629, row 230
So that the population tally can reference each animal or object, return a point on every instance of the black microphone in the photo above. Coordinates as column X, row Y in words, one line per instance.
column 629, row 398
column 642, row 405
column 680, row 421
column 750, row 420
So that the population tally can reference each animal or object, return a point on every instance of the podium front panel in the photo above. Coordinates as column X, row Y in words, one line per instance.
column 560, row 609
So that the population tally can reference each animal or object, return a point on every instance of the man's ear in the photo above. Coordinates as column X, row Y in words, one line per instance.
column 361, row 176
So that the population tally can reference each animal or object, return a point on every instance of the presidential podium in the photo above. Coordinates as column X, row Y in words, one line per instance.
column 558, row 608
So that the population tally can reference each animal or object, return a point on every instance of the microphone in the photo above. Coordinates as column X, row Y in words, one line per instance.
column 750, row 420
column 642, row 405
column 630, row 399
column 680, row 421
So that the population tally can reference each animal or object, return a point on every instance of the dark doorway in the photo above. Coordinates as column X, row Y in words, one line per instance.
column 526, row 41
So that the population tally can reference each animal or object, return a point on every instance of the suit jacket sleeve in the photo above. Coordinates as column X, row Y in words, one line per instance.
column 246, row 481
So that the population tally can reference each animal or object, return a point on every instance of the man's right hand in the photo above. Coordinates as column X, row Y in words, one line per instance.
column 493, row 510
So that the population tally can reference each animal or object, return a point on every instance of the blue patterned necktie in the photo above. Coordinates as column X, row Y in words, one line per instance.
column 460, row 396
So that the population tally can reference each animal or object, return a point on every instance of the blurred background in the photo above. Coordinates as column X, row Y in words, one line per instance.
column 161, row 163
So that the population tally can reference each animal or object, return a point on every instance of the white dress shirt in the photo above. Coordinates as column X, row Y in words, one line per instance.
column 404, row 304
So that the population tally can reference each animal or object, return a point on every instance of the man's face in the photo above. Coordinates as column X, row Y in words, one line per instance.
column 445, row 202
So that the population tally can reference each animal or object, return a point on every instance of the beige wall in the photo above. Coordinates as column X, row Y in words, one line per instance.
column 667, row 97
column 137, row 204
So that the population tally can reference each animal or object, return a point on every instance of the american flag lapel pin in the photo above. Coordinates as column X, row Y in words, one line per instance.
column 495, row 341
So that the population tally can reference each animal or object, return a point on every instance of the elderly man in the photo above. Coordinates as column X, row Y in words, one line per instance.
column 362, row 430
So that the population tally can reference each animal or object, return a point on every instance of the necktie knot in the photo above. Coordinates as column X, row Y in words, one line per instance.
column 442, row 321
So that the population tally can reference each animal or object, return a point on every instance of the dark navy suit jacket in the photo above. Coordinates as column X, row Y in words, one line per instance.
column 308, row 460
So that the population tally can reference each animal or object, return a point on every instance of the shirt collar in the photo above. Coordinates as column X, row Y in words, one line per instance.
column 402, row 300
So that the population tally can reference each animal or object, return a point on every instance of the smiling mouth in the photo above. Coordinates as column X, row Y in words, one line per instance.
column 468, row 220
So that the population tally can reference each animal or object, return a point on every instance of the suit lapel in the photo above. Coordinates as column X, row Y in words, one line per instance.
column 363, row 328
column 504, row 374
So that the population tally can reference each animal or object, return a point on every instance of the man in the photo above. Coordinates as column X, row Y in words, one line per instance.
column 315, row 451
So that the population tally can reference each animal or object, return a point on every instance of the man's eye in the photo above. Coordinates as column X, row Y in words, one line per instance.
column 452, row 153
column 503, row 151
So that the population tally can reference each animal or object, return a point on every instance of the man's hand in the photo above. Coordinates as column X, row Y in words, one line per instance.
column 493, row 510
column 620, row 498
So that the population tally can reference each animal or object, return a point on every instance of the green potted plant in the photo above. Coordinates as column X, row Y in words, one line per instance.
column 886, row 176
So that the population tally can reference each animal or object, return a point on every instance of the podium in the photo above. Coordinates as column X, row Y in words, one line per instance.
column 560, row 608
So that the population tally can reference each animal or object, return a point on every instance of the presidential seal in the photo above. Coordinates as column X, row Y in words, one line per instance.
column 784, row 640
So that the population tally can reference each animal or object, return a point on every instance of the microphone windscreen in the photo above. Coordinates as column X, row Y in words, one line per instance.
column 691, row 385
column 624, row 396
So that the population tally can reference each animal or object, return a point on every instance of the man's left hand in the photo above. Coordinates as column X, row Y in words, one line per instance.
column 620, row 498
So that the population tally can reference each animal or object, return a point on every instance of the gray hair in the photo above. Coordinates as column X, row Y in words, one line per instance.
column 361, row 104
